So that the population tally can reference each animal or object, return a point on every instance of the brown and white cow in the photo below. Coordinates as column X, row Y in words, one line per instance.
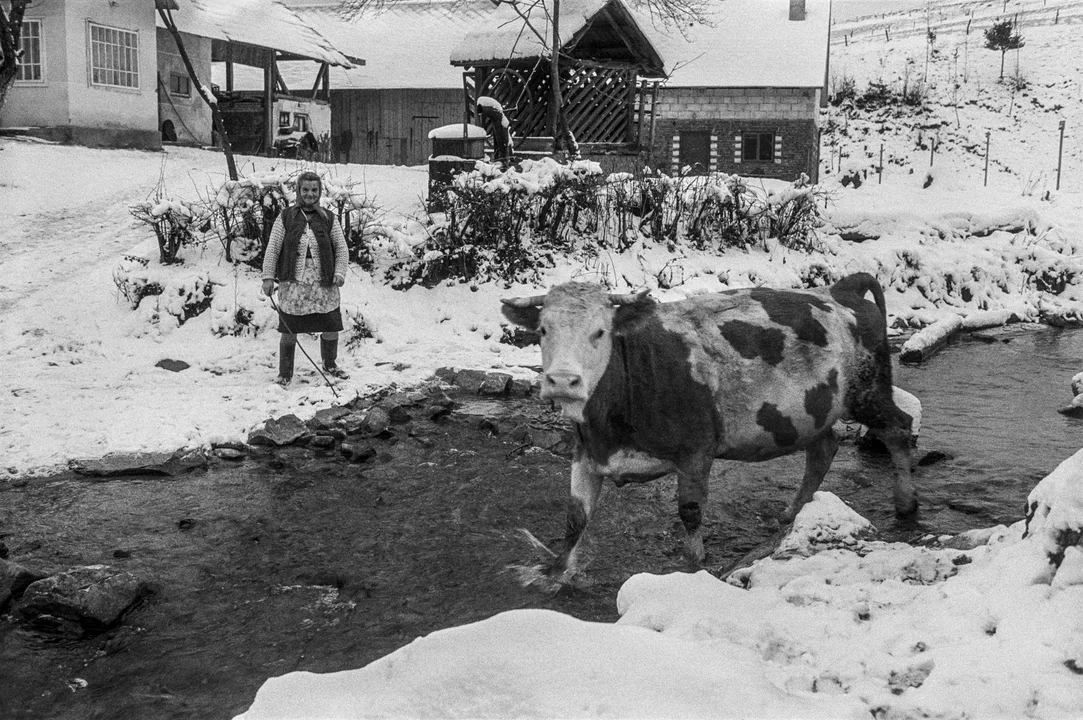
column 659, row 388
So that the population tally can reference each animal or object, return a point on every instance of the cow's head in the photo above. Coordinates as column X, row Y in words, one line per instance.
column 576, row 322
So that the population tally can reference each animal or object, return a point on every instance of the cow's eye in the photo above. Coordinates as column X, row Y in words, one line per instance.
column 542, row 332
column 598, row 335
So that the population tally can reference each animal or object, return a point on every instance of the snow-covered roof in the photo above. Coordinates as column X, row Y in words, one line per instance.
column 406, row 44
column 748, row 43
column 504, row 35
column 263, row 23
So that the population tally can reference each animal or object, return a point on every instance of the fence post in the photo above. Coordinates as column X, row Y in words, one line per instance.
column 1060, row 153
column 880, row 167
column 932, row 150
column 986, row 183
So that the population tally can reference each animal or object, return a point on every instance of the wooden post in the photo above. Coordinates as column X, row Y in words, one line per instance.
column 269, row 104
column 986, row 183
column 229, row 67
column 1060, row 153
column 932, row 150
column 880, row 168
column 642, row 86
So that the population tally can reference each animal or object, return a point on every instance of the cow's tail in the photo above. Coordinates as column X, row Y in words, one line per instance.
column 861, row 283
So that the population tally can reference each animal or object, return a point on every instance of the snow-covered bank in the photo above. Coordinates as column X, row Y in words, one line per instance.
column 833, row 625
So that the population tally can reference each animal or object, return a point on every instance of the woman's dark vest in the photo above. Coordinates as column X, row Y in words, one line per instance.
column 293, row 222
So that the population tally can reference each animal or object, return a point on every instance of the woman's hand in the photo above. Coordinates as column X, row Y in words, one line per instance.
column 268, row 287
column 339, row 281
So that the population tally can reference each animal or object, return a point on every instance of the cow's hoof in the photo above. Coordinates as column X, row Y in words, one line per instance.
column 906, row 511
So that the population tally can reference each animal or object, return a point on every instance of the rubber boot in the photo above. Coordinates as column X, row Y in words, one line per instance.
column 287, row 345
column 329, row 355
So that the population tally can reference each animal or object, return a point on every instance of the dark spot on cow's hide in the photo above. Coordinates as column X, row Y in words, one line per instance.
column 780, row 426
column 576, row 519
column 754, row 340
column 819, row 399
column 648, row 400
column 794, row 310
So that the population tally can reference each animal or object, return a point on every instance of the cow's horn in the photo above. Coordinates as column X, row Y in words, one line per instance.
column 522, row 302
column 627, row 298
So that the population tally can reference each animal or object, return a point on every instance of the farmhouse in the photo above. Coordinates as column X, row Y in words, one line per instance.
column 104, row 73
column 740, row 93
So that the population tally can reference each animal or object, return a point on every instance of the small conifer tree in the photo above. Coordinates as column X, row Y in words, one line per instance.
column 1003, row 37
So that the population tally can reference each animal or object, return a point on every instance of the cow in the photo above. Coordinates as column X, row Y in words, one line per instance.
column 752, row 374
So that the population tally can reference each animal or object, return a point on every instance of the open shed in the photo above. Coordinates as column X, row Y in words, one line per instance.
column 603, row 54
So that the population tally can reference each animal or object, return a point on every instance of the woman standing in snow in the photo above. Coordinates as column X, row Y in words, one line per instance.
column 307, row 255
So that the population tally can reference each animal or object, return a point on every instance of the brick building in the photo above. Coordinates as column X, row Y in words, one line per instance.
column 743, row 93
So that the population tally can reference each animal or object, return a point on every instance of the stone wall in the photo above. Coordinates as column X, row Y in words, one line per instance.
column 718, row 120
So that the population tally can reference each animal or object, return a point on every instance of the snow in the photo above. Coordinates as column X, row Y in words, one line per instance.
column 922, row 343
column 457, row 130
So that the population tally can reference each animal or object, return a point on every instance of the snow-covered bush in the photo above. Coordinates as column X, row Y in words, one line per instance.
column 504, row 224
column 243, row 312
column 356, row 328
column 133, row 279
column 243, row 212
column 172, row 221
column 357, row 216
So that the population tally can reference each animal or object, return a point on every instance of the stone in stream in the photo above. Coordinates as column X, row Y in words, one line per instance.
column 93, row 596
column 285, row 430
column 154, row 463
column 14, row 579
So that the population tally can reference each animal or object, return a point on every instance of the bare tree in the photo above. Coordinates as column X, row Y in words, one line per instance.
column 11, row 25
column 204, row 92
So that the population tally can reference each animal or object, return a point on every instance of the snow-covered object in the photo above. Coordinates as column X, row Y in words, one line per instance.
column 983, row 320
column 925, row 342
column 824, row 523
column 457, row 130
column 1055, row 516
column 910, row 405
column 543, row 664
column 1077, row 384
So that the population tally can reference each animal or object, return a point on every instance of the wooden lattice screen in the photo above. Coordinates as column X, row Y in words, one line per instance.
column 599, row 99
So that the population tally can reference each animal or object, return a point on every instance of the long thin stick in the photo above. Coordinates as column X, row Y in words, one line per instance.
column 285, row 325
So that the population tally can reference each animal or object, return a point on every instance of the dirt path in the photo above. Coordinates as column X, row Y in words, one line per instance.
column 296, row 559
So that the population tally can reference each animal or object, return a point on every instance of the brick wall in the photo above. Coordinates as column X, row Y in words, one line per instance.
column 727, row 115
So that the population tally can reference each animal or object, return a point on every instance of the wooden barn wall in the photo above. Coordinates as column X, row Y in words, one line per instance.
column 390, row 127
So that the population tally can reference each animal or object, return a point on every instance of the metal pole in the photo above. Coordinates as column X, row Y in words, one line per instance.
column 986, row 158
column 1060, row 153
column 880, row 168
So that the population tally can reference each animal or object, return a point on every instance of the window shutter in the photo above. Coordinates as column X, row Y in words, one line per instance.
column 714, row 152
column 778, row 149
column 675, row 149
column 737, row 146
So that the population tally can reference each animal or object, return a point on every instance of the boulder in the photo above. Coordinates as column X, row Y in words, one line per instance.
column 228, row 453
column 323, row 441
column 1077, row 385
column 482, row 382
column 376, row 421
column 155, row 463
column 327, row 418
column 358, row 453
column 14, row 579
column 94, row 596
column 285, row 430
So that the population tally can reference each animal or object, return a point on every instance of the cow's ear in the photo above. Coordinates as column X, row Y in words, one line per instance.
column 630, row 316
column 527, row 317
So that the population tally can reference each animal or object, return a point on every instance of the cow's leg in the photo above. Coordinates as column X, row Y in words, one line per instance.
column 692, row 479
column 892, row 426
column 585, row 489
column 818, row 456
column 896, row 437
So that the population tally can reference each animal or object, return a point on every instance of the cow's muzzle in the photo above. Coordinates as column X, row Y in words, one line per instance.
column 566, row 389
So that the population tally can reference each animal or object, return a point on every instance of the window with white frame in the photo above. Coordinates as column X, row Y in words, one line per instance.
column 30, row 66
column 114, row 57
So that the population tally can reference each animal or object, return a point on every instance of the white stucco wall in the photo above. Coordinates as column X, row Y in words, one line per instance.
column 109, row 107
column 190, row 115
column 66, row 97
column 44, row 103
